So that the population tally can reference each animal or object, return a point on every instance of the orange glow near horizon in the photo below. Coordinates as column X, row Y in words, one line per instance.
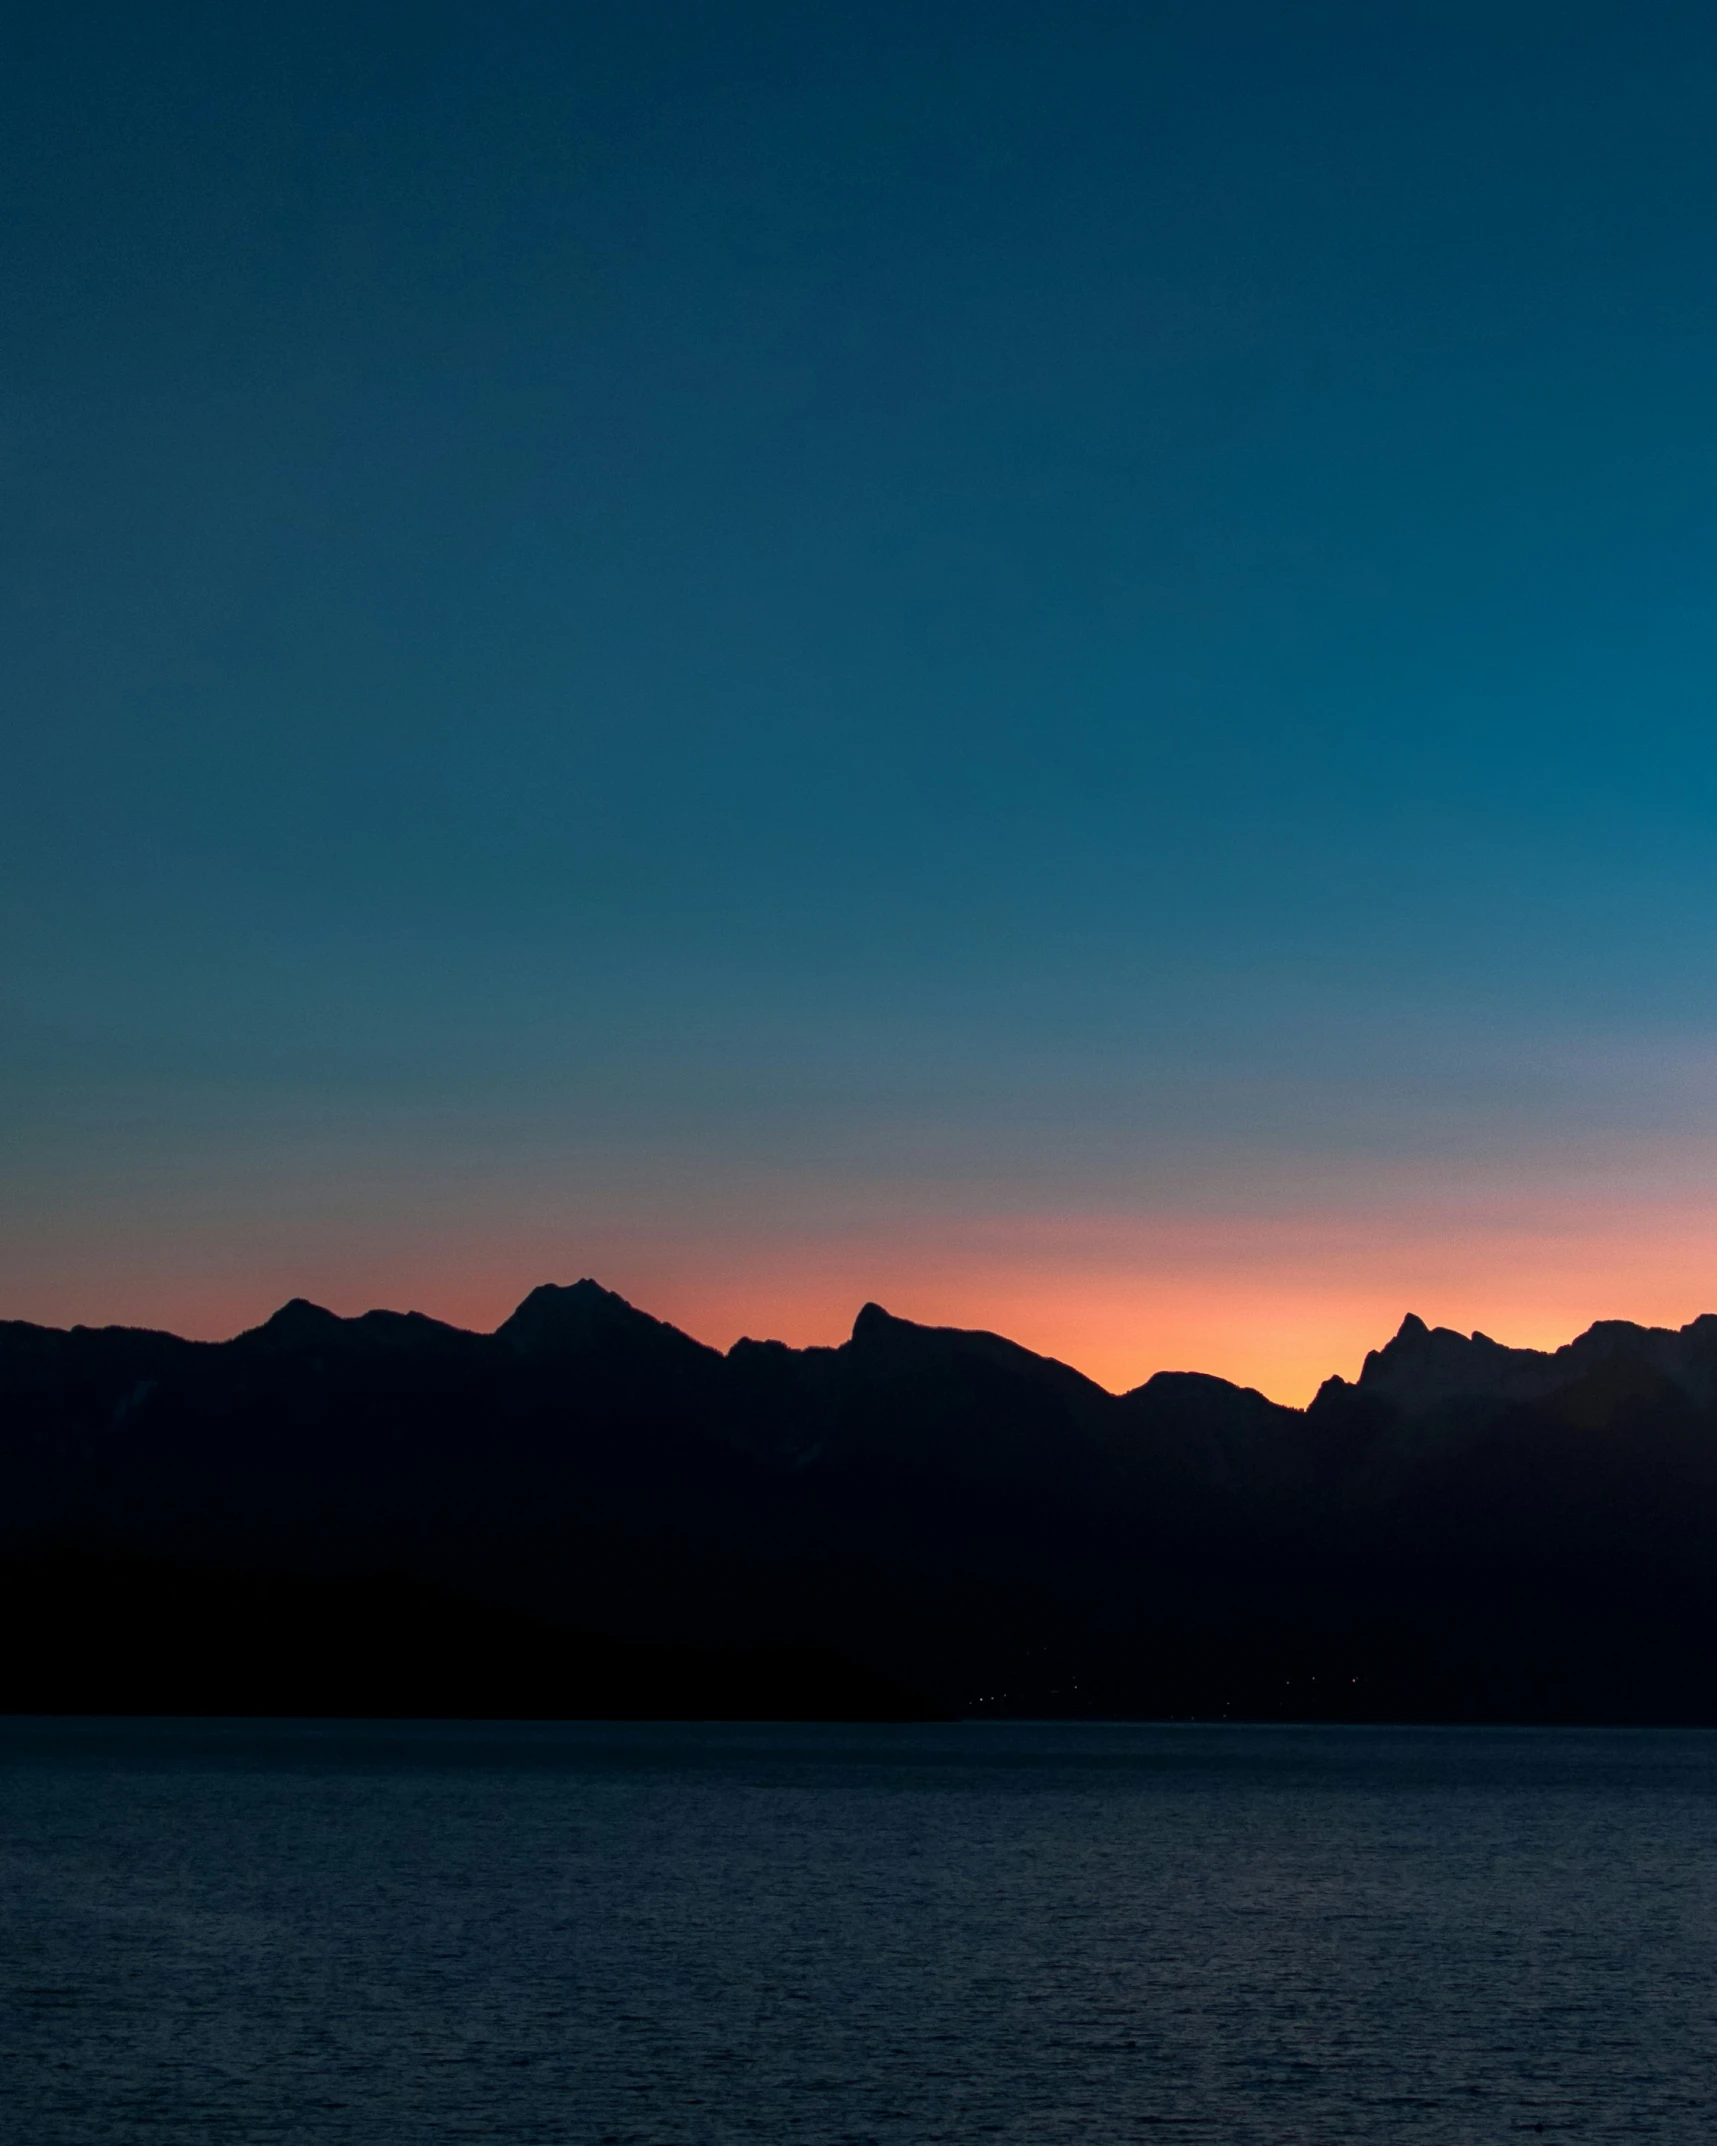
column 1279, row 1306
column 1277, row 1301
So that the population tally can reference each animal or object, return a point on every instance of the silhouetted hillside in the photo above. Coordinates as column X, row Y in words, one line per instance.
column 116, row 1634
column 1465, row 1532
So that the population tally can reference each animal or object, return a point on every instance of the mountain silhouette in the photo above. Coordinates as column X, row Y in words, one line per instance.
column 1465, row 1532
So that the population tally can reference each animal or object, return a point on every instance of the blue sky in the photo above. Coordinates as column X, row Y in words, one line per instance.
column 795, row 653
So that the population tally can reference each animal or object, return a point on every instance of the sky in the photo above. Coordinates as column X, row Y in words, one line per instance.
column 1051, row 664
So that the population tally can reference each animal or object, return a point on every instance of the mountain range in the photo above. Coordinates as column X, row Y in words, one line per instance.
column 921, row 1519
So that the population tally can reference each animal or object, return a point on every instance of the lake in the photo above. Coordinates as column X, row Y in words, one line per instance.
column 369, row 1933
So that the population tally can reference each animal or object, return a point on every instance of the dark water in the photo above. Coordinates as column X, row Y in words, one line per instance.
column 376, row 1934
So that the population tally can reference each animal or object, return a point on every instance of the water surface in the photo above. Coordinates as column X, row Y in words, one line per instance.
column 323, row 1933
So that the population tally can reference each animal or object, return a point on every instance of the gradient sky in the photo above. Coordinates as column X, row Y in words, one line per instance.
column 1050, row 663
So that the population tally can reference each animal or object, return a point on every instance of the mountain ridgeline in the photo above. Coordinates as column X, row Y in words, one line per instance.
column 588, row 1511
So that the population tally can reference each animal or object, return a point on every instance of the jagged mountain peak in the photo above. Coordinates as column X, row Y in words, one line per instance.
column 298, row 1319
column 301, row 1328
column 892, row 1347
column 875, row 1324
column 571, row 1319
column 1424, row 1367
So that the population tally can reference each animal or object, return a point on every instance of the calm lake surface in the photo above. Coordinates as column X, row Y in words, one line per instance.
column 376, row 1933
